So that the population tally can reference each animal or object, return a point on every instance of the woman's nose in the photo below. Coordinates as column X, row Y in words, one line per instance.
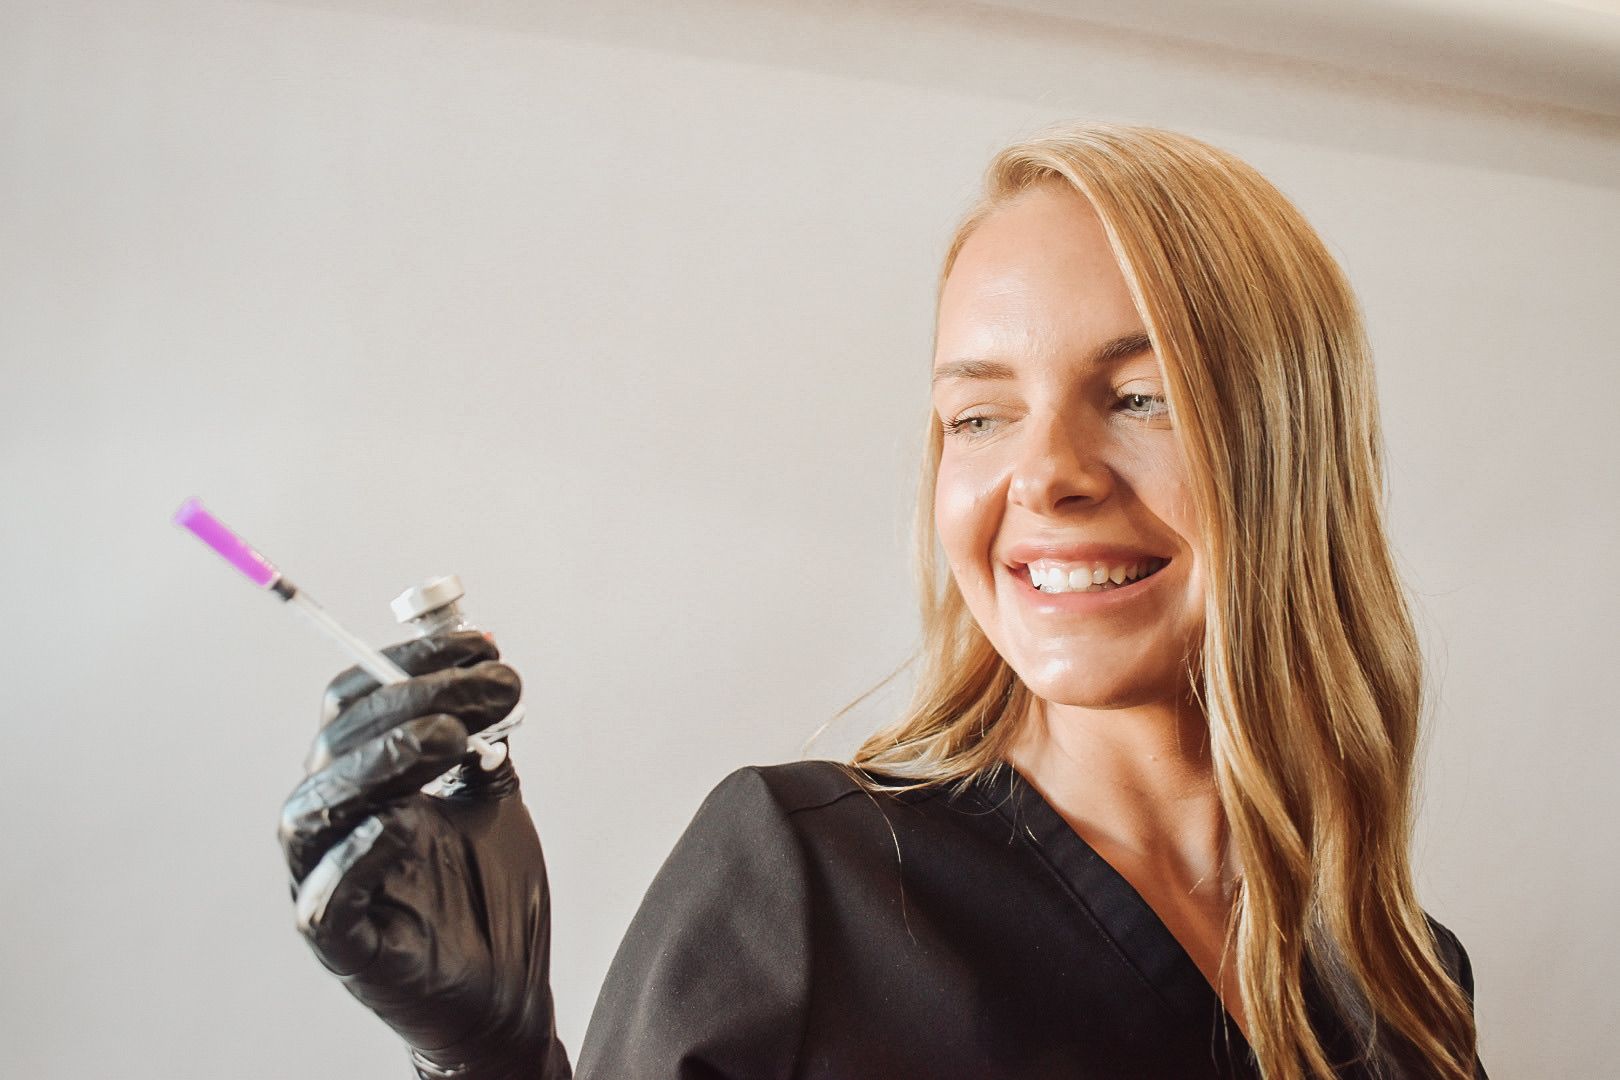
column 1059, row 458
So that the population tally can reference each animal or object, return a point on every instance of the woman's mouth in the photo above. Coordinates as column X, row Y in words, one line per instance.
column 1056, row 579
column 1056, row 589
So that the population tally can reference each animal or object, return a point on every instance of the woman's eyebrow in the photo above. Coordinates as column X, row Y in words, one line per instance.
column 1121, row 348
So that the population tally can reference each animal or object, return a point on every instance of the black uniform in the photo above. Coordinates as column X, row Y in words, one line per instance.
column 803, row 928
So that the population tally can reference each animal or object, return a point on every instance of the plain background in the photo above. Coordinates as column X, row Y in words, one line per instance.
column 623, row 313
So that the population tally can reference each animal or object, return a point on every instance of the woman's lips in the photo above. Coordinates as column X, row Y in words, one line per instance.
column 1100, row 600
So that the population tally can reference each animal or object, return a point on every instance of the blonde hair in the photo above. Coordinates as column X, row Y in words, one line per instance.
column 1309, row 672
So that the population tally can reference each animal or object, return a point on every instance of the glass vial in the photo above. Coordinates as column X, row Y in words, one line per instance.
column 434, row 607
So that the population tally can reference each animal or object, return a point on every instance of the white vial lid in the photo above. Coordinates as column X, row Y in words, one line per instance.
column 420, row 599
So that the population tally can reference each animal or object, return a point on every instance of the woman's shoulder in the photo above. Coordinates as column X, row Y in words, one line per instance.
column 816, row 803
column 798, row 788
column 839, row 816
column 1453, row 955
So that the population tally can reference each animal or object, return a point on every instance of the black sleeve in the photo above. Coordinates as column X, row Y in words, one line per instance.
column 1462, row 973
column 711, row 980
column 1465, row 979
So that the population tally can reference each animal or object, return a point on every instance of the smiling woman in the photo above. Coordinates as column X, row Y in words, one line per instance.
column 1244, row 719
column 1147, row 813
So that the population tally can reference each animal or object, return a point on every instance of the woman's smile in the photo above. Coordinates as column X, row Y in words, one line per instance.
column 1036, row 590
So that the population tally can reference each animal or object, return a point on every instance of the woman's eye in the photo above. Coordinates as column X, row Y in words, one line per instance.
column 1137, row 405
column 959, row 426
column 1141, row 406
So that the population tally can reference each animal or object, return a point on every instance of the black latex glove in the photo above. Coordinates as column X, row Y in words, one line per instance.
column 434, row 912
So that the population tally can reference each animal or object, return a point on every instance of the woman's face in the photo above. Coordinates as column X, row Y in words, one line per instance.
column 1064, row 451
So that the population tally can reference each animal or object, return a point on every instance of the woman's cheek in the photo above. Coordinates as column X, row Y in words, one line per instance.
column 964, row 511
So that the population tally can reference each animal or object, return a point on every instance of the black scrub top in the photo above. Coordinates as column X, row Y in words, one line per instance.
column 803, row 928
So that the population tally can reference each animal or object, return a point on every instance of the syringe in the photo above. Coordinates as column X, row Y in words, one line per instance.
column 259, row 570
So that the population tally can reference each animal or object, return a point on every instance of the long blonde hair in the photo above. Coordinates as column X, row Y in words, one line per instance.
column 1309, row 672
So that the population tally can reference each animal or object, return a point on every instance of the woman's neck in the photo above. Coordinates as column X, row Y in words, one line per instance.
column 1135, row 781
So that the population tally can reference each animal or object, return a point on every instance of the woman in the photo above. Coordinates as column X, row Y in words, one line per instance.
column 1148, row 812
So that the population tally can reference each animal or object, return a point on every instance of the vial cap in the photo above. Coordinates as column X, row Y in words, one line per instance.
column 420, row 599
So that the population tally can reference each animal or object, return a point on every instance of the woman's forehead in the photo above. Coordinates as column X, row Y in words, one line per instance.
column 1014, row 319
column 1040, row 267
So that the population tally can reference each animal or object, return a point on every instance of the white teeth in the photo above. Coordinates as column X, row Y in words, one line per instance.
column 1049, row 577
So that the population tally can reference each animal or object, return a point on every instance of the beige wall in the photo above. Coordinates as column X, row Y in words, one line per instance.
column 624, row 316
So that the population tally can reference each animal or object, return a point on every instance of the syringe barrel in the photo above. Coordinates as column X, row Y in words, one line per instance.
column 372, row 662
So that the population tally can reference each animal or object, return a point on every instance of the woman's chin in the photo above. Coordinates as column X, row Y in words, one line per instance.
column 1088, row 688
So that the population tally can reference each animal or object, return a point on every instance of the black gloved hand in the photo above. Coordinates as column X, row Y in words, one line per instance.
column 434, row 912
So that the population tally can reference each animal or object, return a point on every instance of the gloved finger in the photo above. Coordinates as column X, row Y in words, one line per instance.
column 463, row 648
column 334, row 901
column 373, row 902
column 477, row 696
column 482, row 785
column 329, row 802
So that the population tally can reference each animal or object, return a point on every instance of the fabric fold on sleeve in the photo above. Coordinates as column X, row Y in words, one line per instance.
column 712, row 978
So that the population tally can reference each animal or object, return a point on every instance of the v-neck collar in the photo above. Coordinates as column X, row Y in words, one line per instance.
column 1117, row 907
